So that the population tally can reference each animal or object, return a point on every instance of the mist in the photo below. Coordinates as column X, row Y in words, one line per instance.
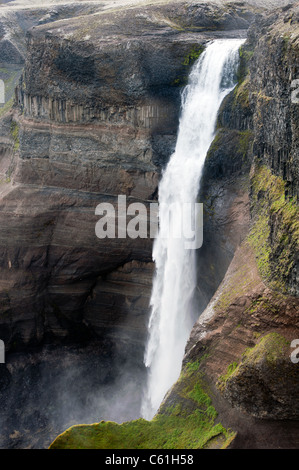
column 44, row 392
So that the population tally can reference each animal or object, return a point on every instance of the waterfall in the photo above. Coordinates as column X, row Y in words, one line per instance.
column 172, row 311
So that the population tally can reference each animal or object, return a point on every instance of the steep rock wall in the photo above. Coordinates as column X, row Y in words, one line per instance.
column 240, row 348
column 97, row 114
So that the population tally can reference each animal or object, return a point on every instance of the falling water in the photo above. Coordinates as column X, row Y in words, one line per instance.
column 172, row 313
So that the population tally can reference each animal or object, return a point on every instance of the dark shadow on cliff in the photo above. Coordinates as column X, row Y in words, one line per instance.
column 44, row 392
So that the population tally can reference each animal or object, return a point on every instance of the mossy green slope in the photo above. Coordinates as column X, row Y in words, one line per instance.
column 271, row 348
column 190, row 424
column 265, row 381
column 275, row 232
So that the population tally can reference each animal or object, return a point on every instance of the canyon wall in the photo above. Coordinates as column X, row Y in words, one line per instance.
column 240, row 348
column 96, row 116
column 238, row 372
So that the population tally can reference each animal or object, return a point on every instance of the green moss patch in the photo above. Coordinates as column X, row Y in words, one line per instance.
column 275, row 233
column 265, row 382
column 190, row 424
column 193, row 54
column 163, row 432
column 241, row 94
column 223, row 378
column 270, row 349
column 268, row 305
column 193, row 366
column 239, row 140
column 14, row 130
column 245, row 53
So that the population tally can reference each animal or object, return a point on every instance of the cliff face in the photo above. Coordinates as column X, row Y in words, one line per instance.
column 237, row 369
column 96, row 116
column 241, row 345
column 97, row 113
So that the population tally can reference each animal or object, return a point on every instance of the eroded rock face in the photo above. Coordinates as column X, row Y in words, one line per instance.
column 240, row 353
column 276, row 141
column 97, row 114
column 240, row 348
column 266, row 381
column 276, row 116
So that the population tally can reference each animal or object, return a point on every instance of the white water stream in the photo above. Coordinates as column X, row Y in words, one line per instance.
column 172, row 311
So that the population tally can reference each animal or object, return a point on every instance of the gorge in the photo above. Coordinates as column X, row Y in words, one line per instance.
column 95, row 114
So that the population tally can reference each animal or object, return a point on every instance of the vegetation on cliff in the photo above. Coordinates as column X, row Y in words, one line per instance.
column 270, row 348
column 192, row 55
column 189, row 424
column 275, row 231
column 246, row 309
column 263, row 382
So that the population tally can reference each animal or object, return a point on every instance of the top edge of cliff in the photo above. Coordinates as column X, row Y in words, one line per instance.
column 108, row 19
column 116, row 4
